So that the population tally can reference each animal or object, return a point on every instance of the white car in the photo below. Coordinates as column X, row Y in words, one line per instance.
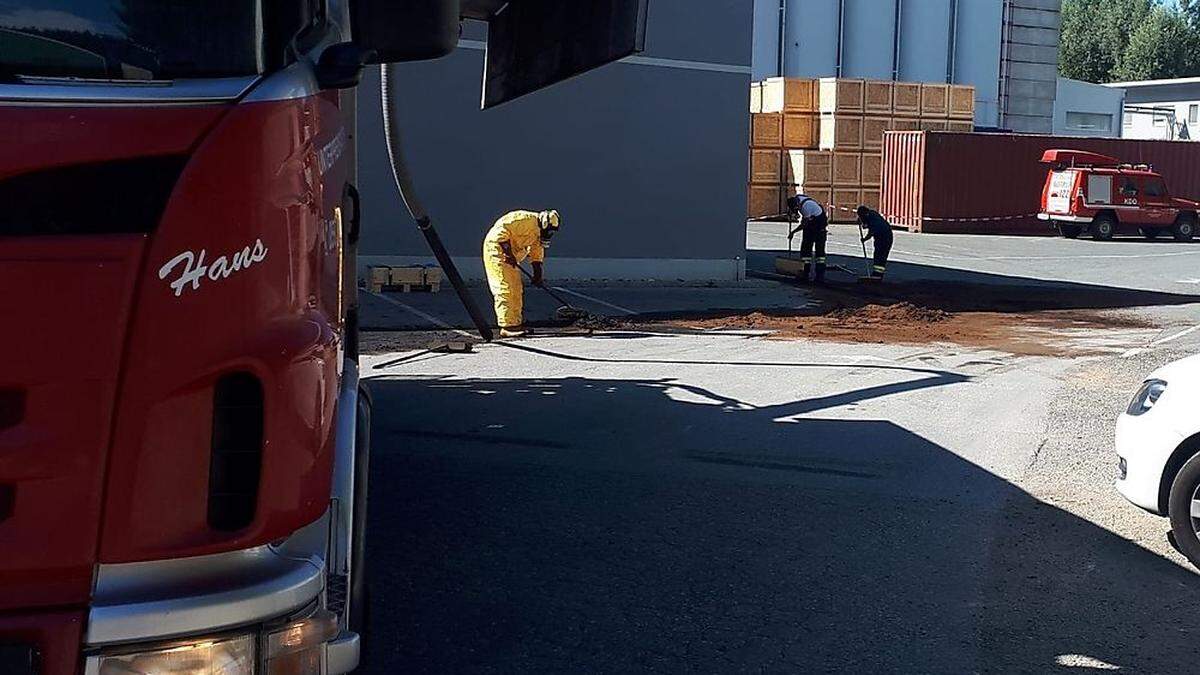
column 1158, row 446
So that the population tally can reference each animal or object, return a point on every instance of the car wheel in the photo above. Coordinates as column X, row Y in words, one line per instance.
column 1151, row 232
column 1183, row 507
column 1069, row 231
column 1104, row 227
column 1184, row 228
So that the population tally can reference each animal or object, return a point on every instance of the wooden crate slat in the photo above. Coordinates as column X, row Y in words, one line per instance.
column 766, row 130
column 841, row 132
column 807, row 167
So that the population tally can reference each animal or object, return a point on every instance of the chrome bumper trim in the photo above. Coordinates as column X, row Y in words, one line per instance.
column 1064, row 218
column 137, row 602
column 342, row 654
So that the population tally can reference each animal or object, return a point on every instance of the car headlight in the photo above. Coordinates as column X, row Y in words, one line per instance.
column 1146, row 396
column 232, row 656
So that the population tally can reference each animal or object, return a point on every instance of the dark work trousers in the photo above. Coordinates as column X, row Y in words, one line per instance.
column 815, row 232
column 883, row 246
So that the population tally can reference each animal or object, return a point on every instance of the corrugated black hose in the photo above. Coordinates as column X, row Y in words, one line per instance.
column 391, row 132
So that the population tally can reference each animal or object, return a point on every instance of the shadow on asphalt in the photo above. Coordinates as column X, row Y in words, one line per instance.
column 534, row 525
column 955, row 290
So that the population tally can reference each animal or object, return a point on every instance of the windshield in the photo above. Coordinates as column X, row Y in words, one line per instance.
column 131, row 39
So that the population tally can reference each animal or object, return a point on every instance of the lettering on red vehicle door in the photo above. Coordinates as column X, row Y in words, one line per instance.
column 195, row 269
column 1059, row 198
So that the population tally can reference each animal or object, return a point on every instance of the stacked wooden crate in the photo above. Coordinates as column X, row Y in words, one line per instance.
column 824, row 138
column 784, row 134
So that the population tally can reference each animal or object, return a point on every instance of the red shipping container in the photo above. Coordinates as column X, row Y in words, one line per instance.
column 936, row 181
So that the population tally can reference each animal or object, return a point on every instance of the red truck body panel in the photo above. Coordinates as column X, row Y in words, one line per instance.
column 113, row 343
column 256, row 183
column 66, row 306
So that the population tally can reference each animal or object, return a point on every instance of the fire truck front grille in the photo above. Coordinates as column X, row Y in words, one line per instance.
column 236, row 463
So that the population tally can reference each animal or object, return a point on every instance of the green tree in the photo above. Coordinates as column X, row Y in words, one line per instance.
column 1164, row 45
column 1190, row 9
column 1096, row 35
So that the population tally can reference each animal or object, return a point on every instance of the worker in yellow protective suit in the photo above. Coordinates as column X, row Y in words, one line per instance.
column 513, row 238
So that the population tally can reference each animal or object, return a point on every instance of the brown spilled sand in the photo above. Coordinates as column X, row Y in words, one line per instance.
column 976, row 318
column 1035, row 320
column 1037, row 334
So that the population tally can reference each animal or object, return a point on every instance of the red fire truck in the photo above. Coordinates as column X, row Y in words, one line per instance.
column 1085, row 191
column 183, row 436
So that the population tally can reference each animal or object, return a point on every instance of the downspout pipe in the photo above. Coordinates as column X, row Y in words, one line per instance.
column 841, row 35
column 952, row 50
column 782, row 37
column 1005, row 48
column 896, row 40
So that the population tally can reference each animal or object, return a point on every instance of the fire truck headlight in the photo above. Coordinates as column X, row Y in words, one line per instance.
column 299, row 647
column 227, row 656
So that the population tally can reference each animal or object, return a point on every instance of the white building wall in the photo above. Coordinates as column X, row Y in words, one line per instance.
column 1159, row 127
column 960, row 41
column 1179, row 96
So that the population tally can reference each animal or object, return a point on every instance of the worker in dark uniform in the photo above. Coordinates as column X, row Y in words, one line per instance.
column 877, row 228
column 814, row 226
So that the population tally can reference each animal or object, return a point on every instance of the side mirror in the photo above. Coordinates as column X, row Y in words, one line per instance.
column 341, row 66
column 392, row 31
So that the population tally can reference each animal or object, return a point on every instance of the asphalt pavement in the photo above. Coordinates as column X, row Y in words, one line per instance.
column 637, row 501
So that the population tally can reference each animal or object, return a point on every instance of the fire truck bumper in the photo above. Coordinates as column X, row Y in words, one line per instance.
column 243, row 612
column 1064, row 218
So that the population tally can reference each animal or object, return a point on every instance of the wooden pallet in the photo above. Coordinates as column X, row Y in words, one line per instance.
column 406, row 288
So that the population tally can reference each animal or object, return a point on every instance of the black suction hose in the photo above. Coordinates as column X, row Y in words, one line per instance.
column 391, row 132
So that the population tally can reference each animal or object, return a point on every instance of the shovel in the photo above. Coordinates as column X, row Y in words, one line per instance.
column 564, row 313
column 866, row 277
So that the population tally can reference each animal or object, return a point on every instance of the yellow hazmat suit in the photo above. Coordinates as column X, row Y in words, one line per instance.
column 523, row 234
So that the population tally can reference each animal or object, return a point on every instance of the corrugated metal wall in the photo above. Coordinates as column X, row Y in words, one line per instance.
column 944, row 182
column 903, row 168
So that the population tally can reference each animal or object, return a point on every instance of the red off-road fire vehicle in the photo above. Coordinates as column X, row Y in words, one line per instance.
column 1088, row 192
column 183, row 437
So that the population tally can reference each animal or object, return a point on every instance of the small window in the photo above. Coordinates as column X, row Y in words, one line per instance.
column 1193, row 113
column 1128, row 121
column 1155, row 188
column 1128, row 187
column 1085, row 121
column 1159, row 120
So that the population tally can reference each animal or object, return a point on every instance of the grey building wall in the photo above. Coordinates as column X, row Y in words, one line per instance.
column 956, row 41
column 645, row 158
column 1029, row 66
column 1083, row 109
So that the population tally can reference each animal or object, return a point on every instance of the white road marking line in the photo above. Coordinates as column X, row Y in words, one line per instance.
column 428, row 317
column 1188, row 281
column 598, row 301
column 1161, row 341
